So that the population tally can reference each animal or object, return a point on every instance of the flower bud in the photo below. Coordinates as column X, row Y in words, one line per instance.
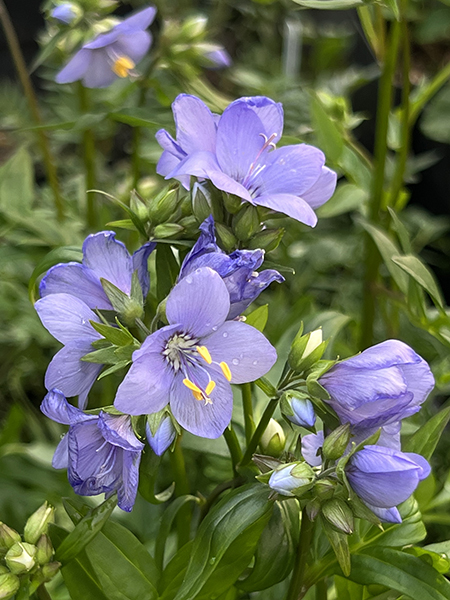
column 20, row 558
column 138, row 205
column 8, row 537
column 9, row 584
column 167, row 230
column 298, row 408
column 163, row 205
column 160, row 432
column 3, row 570
column 293, row 479
column 231, row 202
column 313, row 509
column 273, row 439
column 338, row 513
column 226, row 237
column 306, row 350
column 268, row 239
column 324, row 488
column 193, row 27
column 335, row 444
column 44, row 550
column 37, row 524
column 201, row 201
column 66, row 13
column 50, row 570
column 246, row 222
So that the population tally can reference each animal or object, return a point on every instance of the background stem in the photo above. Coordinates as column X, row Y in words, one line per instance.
column 89, row 161
column 253, row 444
column 181, row 488
column 296, row 588
column 246, row 389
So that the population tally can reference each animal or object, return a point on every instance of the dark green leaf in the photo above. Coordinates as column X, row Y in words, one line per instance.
column 166, row 270
column 116, row 335
column 425, row 440
column 420, row 273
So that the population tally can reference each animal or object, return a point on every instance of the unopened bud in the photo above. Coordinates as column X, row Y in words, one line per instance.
column 37, row 524
column 163, row 205
column 268, row 240
column 306, row 350
column 8, row 537
column 167, row 230
column 201, row 201
column 273, row 439
column 232, row 203
column 67, row 13
column 9, row 584
column 293, row 479
column 50, row 570
column 138, row 205
column 298, row 408
column 313, row 509
column 20, row 558
column 336, row 443
column 324, row 488
column 246, row 222
column 44, row 550
column 160, row 432
column 193, row 27
column 338, row 513
column 226, row 237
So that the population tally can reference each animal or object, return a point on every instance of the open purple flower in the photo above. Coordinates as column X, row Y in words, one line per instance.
column 101, row 452
column 384, row 478
column 237, row 153
column 111, row 55
column 191, row 362
column 238, row 270
column 104, row 257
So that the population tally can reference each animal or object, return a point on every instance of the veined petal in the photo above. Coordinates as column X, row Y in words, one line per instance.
column 200, row 303
column 322, row 190
column 117, row 430
column 195, row 126
column 167, row 163
column 133, row 45
column 60, row 458
column 269, row 112
column 127, row 490
column 290, row 205
column 76, row 68
column 386, row 354
column 246, row 351
column 100, row 73
column 386, row 515
column 55, row 407
column 311, row 444
column 109, row 259
column 166, row 141
column 140, row 263
column 419, row 380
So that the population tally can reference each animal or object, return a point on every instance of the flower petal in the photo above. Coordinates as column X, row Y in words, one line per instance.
column 117, row 430
column 163, row 437
column 76, row 68
column 99, row 73
column 386, row 354
column 55, row 407
column 60, row 458
column 290, row 205
column 133, row 45
column 322, row 190
column 109, row 259
column 103, row 40
column 200, row 303
column 137, row 21
column 140, row 264
column 310, row 446
column 419, row 380
column 167, row 163
column 127, row 490
column 195, row 125
column 246, row 351
column 386, row 515
column 269, row 112
column 166, row 141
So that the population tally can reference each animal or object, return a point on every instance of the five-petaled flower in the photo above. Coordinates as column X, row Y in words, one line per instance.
column 191, row 362
column 111, row 55
column 238, row 153
column 101, row 452
column 238, row 270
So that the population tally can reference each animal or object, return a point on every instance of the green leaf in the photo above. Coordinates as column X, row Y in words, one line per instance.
column 85, row 531
column 17, row 184
column 339, row 543
column 420, row 273
column 56, row 256
column 348, row 590
column 119, row 336
column 438, row 561
column 258, row 318
column 425, row 440
column 330, row 4
column 347, row 197
column 166, row 270
column 329, row 137
column 134, row 116
column 401, row 230
column 174, row 572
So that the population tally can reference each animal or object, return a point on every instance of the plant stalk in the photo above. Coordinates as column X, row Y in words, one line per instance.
column 181, row 489
column 89, row 161
column 249, row 424
column 253, row 444
column 233, row 445
column 297, row 589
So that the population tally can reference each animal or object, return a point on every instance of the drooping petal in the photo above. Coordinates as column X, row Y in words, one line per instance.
column 386, row 515
column 137, row 21
column 244, row 291
column 247, row 352
column 167, row 163
column 140, row 263
column 117, row 430
column 384, row 411
column 60, row 458
column 76, row 280
column 127, row 490
column 133, row 45
column 67, row 318
column 289, row 205
column 109, row 259
column 100, row 73
column 420, row 462
column 207, row 420
column 199, row 302
column 55, row 407
column 76, row 68
column 195, row 126
column 322, row 190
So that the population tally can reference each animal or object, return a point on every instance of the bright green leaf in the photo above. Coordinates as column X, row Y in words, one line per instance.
column 425, row 440
column 420, row 273
column 258, row 318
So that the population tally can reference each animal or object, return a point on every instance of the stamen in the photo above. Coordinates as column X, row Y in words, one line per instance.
column 209, row 388
column 225, row 370
column 197, row 395
column 122, row 66
column 191, row 385
column 204, row 353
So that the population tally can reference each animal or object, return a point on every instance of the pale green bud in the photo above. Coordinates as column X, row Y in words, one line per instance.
column 338, row 513
column 37, row 524
column 9, row 584
column 20, row 558
column 50, row 570
column 167, row 230
column 306, row 350
column 273, row 439
column 194, row 27
column 226, row 237
column 8, row 537
column 232, row 203
column 268, row 239
column 324, row 488
column 336, row 443
column 44, row 550
column 201, row 201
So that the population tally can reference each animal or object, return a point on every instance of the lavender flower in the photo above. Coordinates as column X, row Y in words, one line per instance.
column 238, row 270
column 161, row 436
column 111, row 55
column 383, row 478
column 292, row 479
column 66, row 13
column 191, row 362
column 237, row 153
column 311, row 444
column 218, row 58
column 101, row 452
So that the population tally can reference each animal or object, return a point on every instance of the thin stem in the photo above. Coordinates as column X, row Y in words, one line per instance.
column 181, row 489
column 42, row 593
column 253, row 444
column 297, row 589
column 321, row 590
column 21, row 68
column 431, row 89
column 246, row 389
column 89, row 161
column 233, row 446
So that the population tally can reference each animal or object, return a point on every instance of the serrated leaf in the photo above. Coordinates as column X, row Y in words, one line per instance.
column 420, row 273
column 258, row 318
column 425, row 440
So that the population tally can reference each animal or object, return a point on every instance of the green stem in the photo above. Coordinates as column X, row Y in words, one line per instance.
column 246, row 389
column 181, row 489
column 321, row 590
column 42, row 593
column 431, row 89
column 233, row 446
column 372, row 258
column 297, row 589
column 21, row 68
column 89, row 161
column 253, row 444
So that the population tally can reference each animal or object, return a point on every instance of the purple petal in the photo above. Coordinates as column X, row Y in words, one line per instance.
column 103, row 40
column 269, row 112
column 290, row 205
column 246, row 351
column 67, row 318
column 421, row 462
column 220, row 59
column 140, row 263
column 199, row 302
column 65, row 13
column 99, row 73
column 322, row 190
column 109, row 259
column 386, row 354
column 378, row 413
column 76, row 280
column 163, row 437
column 419, row 380
column 76, row 68
column 133, row 45
column 127, row 490
column 137, row 21
column 117, row 430
column 55, row 407
column 60, row 458
column 166, row 141
column 197, row 417
column 386, row 515
column 195, row 126
column 310, row 446
column 167, row 163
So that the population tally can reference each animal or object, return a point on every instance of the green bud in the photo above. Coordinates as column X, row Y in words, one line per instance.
column 313, row 509
column 201, row 201
column 268, row 239
column 50, row 570
column 324, row 488
column 20, row 558
column 37, row 524
column 3, row 570
column 226, row 237
column 273, row 439
column 246, row 222
column 8, row 537
column 138, row 205
column 231, row 202
column 9, row 584
column 167, row 230
column 163, row 205
column 336, row 443
column 130, row 308
column 193, row 27
column 338, row 513
column 306, row 350
column 44, row 550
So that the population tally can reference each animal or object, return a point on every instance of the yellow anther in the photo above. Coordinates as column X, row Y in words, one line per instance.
column 209, row 388
column 122, row 66
column 225, row 370
column 197, row 395
column 204, row 353
column 194, row 388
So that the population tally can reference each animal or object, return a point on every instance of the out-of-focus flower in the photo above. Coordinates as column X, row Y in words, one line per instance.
column 292, row 479
column 191, row 362
column 238, row 269
column 111, row 55
column 383, row 478
column 237, row 153
column 311, row 445
column 66, row 13
column 160, row 434
column 217, row 58
column 101, row 452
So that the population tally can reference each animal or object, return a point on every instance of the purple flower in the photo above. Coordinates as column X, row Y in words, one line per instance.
column 191, row 362
column 383, row 478
column 64, row 12
column 378, row 387
column 111, row 55
column 238, row 270
column 104, row 257
column 292, row 479
column 101, row 452
column 311, row 445
column 303, row 412
column 218, row 58
column 161, row 438
column 237, row 153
